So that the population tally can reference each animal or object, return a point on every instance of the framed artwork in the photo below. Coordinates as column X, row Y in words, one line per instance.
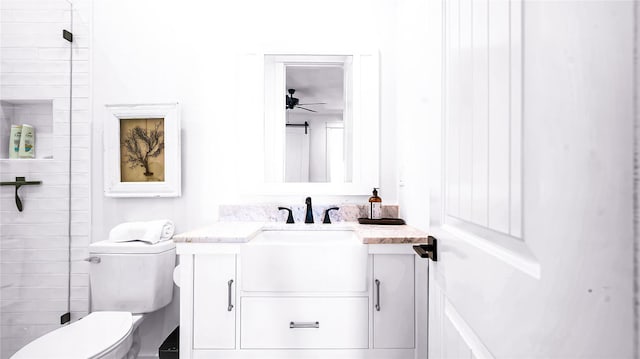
column 142, row 151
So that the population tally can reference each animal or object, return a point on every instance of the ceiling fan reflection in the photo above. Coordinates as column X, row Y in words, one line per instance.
column 293, row 102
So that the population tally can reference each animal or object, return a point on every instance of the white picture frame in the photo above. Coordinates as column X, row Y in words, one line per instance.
column 146, row 162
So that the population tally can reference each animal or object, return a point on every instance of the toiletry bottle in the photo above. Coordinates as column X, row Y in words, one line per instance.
column 14, row 141
column 375, row 205
column 27, row 142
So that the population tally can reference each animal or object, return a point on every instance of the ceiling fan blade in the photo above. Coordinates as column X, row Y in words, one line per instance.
column 314, row 103
column 305, row 109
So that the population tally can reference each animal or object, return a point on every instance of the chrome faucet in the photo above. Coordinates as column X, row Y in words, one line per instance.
column 309, row 217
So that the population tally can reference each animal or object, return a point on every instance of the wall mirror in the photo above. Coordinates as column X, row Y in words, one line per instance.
column 320, row 122
column 318, row 139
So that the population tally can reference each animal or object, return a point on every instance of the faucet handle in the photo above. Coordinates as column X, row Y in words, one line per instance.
column 327, row 219
column 290, row 217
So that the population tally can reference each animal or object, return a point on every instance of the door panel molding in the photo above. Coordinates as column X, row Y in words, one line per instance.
column 482, row 126
column 516, row 110
column 509, row 250
column 478, row 350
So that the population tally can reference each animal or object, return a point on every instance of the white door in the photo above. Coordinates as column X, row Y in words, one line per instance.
column 532, row 192
column 297, row 154
column 335, row 156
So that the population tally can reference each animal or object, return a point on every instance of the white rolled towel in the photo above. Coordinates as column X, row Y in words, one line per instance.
column 149, row 231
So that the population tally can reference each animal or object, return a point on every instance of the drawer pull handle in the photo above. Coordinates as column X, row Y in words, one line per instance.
column 309, row 325
column 377, row 295
column 230, row 307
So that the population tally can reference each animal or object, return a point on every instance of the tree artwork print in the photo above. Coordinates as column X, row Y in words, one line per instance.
column 142, row 150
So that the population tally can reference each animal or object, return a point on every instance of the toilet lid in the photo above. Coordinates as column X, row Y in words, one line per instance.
column 133, row 247
column 86, row 338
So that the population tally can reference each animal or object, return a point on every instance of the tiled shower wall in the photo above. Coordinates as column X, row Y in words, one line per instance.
column 34, row 65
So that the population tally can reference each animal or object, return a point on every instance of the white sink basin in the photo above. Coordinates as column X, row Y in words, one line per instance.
column 305, row 237
column 304, row 261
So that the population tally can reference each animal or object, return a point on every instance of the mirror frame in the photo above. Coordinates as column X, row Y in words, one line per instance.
column 266, row 131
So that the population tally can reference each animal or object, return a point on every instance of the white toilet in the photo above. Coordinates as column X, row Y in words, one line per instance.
column 127, row 280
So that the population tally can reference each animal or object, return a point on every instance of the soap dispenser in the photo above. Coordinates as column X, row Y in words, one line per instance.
column 375, row 205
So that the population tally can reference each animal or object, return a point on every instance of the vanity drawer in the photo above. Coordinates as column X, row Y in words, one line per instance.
column 304, row 323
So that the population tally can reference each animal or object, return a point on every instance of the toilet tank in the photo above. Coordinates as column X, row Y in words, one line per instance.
column 134, row 277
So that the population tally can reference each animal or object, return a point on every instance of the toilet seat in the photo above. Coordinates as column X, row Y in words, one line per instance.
column 89, row 337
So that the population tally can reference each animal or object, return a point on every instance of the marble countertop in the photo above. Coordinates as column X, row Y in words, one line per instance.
column 242, row 232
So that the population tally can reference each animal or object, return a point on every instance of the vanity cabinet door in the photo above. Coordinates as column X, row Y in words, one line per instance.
column 214, row 299
column 393, row 301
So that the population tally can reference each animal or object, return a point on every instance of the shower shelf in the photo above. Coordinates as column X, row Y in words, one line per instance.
column 19, row 182
column 26, row 160
column 42, row 114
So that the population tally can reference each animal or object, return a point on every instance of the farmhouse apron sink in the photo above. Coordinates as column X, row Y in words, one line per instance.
column 304, row 261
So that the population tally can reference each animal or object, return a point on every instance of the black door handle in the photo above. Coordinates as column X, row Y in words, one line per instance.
column 429, row 250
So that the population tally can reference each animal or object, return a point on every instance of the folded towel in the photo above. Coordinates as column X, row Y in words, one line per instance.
column 150, row 231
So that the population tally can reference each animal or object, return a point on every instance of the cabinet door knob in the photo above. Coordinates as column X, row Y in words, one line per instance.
column 229, row 283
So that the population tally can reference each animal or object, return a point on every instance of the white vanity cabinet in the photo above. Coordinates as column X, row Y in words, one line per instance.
column 393, row 301
column 214, row 309
column 220, row 317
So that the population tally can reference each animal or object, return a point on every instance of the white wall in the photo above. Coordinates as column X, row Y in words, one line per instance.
column 419, row 98
column 162, row 51
column 166, row 51
column 34, row 259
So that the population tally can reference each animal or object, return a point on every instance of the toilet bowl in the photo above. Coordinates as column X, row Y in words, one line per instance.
column 126, row 278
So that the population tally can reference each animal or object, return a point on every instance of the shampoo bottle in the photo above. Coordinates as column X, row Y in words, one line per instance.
column 14, row 141
column 375, row 205
column 27, row 142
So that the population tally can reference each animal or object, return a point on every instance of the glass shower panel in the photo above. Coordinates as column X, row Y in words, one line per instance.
column 35, row 246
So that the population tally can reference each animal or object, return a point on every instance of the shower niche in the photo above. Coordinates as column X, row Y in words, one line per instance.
column 36, row 113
